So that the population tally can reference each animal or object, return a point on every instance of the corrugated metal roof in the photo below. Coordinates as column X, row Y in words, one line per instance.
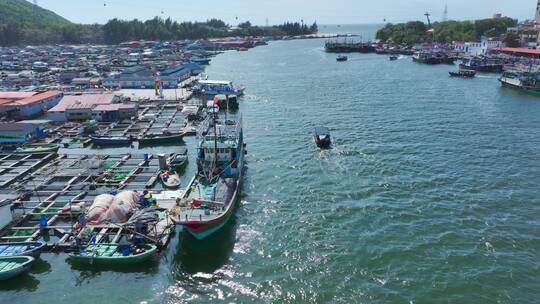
column 114, row 107
column 82, row 101
column 30, row 100
column 16, row 95
column 518, row 50
column 38, row 98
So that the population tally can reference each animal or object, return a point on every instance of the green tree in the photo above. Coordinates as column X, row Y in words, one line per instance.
column 244, row 25
column 511, row 40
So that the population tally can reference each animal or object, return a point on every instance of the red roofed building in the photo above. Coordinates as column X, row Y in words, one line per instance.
column 101, row 107
column 524, row 52
column 18, row 105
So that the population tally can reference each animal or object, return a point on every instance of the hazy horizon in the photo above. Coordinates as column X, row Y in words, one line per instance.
column 272, row 12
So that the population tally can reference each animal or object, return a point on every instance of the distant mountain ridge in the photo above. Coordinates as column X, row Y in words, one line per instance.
column 29, row 16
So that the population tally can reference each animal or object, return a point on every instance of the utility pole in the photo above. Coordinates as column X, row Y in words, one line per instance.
column 428, row 21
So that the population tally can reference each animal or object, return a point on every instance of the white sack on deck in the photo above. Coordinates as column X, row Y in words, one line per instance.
column 97, row 212
column 122, row 207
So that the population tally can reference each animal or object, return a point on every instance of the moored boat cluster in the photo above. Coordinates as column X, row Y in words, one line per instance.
column 103, row 173
column 520, row 67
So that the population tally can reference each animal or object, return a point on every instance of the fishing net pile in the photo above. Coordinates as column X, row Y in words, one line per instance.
column 112, row 209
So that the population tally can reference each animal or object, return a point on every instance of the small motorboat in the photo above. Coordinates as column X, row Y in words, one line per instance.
column 110, row 140
column 170, row 180
column 32, row 249
column 463, row 73
column 37, row 149
column 13, row 266
column 164, row 138
column 178, row 161
column 113, row 254
column 322, row 137
column 393, row 57
column 342, row 58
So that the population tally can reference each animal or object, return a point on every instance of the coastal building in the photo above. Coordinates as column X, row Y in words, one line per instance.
column 22, row 131
column 520, row 52
column 528, row 32
column 19, row 105
column 476, row 48
column 112, row 112
column 100, row 107
column 86, row 82
column 142, row 77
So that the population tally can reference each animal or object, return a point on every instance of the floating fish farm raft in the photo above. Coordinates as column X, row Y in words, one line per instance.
column 59, row 187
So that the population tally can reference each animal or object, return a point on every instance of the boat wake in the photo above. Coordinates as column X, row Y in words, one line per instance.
column 485, row 77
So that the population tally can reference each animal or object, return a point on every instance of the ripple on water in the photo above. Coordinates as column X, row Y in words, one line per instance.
column 430, row 190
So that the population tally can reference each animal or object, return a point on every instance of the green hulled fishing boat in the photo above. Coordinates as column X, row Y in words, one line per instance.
column 165, row 138
column 210, row 198
column 111, row 254
column 13, row 266
column 527, row 82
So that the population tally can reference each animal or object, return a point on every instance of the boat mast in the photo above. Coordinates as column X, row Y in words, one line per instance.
column 214, row 163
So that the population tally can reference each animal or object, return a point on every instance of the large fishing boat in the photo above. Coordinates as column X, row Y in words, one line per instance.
column 431, row 57
column 524, row 81
column 201, row 60
column 216, row 87
column 481, row 64
column 209, row 200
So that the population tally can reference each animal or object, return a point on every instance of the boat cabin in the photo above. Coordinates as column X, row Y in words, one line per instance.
column 322, row 137
column 220, row 146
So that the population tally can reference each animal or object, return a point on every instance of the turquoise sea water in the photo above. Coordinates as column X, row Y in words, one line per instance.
column 430, row 194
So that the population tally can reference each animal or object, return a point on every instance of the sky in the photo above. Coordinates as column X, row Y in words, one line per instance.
column 278, row 11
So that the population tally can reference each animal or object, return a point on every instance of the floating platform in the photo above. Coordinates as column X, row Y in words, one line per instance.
column 59, row 188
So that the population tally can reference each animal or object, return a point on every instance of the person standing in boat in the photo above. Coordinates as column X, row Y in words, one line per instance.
column 147, row 199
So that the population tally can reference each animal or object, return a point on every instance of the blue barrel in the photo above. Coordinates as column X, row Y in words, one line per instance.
column 125, row 250
column 43, row 221
column 40, row 132
column 146, row 156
